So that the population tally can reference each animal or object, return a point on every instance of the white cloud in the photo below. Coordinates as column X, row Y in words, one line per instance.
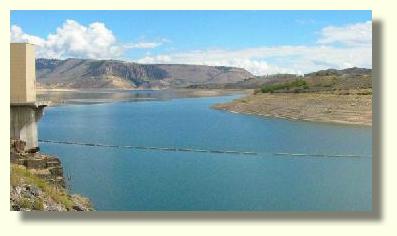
column 270, row 60
column 218, row 58
column 73, row 39
column 146, row 44
column 155, row 59
column 17, row 35
column 337, row 47
column 350, row 35
column 143, row 45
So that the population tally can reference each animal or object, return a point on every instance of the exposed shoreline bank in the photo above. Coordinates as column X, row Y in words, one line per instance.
column 351, row 109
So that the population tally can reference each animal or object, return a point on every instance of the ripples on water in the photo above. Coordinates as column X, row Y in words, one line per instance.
column 130, row 179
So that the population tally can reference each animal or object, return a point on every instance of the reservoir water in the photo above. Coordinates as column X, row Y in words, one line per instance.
column 128, row 179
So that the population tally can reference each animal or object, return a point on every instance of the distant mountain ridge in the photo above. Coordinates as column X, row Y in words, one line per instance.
column 354, row 71
column 323, row 80
column 88, row 73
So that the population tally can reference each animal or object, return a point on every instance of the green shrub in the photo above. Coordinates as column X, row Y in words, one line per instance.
column 296, row 84
column 38, row 204
column 24, row 203
column 20, row 174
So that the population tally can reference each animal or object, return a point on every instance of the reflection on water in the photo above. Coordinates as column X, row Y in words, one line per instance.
column 105, row 96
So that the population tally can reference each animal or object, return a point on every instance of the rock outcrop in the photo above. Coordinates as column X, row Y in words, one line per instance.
column 87, row 73
column 38, row 183
column 44, row 166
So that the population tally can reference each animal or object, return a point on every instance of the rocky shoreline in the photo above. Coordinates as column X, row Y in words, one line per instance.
column 353, row 108
column 37, row 183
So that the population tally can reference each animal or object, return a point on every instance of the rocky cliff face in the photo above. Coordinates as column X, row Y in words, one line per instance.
column 37, row 183
column 84, row 73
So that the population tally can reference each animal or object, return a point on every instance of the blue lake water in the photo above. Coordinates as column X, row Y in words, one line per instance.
column 128, row 179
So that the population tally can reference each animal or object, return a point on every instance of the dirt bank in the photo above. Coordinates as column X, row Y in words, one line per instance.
column 351, row 108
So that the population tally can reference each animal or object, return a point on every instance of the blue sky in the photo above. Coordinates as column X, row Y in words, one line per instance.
column 263, row 42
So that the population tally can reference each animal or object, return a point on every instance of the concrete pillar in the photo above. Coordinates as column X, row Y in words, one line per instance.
column 23, row 124
column 24, row 110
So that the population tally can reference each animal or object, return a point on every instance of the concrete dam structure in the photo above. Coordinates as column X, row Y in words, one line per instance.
column 25, row 111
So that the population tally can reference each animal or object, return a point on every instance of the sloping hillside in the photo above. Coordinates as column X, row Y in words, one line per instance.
column 84, row 73
column 324, row 80
column 336, row 96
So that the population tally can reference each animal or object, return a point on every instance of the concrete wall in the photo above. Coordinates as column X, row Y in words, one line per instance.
column 23, row 124
column 22, row 69
column 24, row 111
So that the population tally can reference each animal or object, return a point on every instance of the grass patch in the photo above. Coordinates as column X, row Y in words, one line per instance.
column 20, row 175
column 37, row 204
column 297, row 84
column 24, row 203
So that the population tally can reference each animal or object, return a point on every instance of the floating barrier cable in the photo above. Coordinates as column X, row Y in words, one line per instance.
column 172, row 149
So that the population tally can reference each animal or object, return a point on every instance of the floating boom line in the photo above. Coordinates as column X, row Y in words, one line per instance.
column 174, row 149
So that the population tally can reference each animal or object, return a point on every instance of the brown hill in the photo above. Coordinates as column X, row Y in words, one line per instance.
column 85, row 73
column 323, row 80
